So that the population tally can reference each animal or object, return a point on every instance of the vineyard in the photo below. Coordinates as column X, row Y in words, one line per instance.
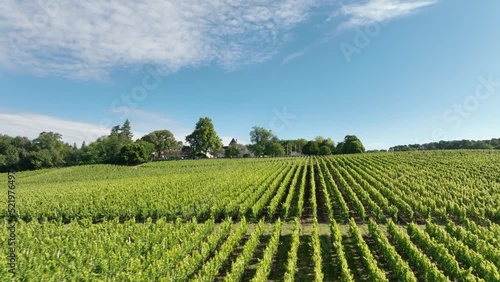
column 412, row 216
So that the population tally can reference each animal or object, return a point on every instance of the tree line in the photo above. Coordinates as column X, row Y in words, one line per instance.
column 48, row 150
column 494, row 143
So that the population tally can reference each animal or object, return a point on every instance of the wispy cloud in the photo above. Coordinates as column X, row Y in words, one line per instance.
column 369, row 12
column 31, row 125
column 90, row 39
column 293, row 56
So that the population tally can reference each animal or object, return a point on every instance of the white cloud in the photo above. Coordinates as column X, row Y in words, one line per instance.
column 292, row 56
column 369, row 12
column 31, row 125
column 90, row 39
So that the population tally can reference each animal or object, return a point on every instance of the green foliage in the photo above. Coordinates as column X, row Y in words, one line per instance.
column 291, row 266
column 264, row 142
column 325, row 150
column 163, row 140
column 238, row 265
column 204, row 139
column 265, row 264
column 49, row 150
column 311, row 148
column 493, row 143
column 158, row 221
column 233, row 150
column 318, row 272
column 326, row 146
column 136, row 153
column 352, row 145
column 274, row 149
column 400, row 267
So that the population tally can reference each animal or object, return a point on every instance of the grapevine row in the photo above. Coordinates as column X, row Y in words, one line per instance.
column 291, row 265
column 318, row 273
column 345, row 273
column 374, row 272
column 238, row 266
column 481, row 267
column 187, row 266
column 360, row 209
column 440, row 254
column 420, row 261
column 264, row 267
column 400, row 267
column 211, row 268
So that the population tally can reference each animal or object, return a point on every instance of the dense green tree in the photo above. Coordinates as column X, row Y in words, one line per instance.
column 204, row 139
column 301, row 142
column 136, row 153
column 9, row 154
column 49, row 151
column 352, row 145
column 328, row 142
column 339, row 148
column 126, row 131
column 451, row 145
column 233, row 150
column 319, row 140
column 260, row 138
column 325, row 150
column 163, row 140
column 311, row 148
column 187, row 151
column 482, row 145
column 274, row 149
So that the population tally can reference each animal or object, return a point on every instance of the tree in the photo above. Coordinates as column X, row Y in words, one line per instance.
column 328, row 142
column 274, row 149
column 187, row 151
column 204, row 139
column 319, row 139
column 311, row 148
column 233, row 150
column 301, row 142
column 163, row 140
column 49, row 151
column 481, row 145
column 126, row 130
column 136, row 153
column 10, row 156
column 352, row 145
column 325, row 150
column 260, row 138
column 107, row 149
column 339, row 148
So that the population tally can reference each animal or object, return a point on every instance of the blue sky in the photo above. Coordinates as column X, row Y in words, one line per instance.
column 389, row 71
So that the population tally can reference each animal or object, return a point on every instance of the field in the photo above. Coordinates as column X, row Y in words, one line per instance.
column 416, row 216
